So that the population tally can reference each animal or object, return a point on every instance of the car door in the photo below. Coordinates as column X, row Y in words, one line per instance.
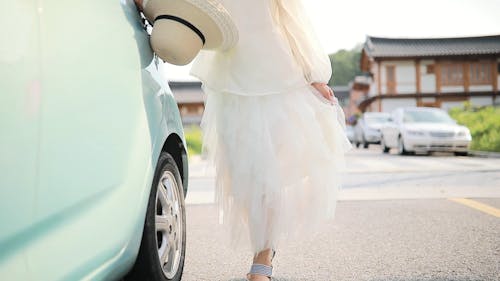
column 20, row 119
column 391, row 130
column 95, row 140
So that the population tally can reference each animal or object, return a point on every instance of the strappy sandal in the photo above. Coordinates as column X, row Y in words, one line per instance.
column 262, row 269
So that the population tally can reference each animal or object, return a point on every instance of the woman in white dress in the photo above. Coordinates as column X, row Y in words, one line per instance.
column 278, row 148
column 272, row 128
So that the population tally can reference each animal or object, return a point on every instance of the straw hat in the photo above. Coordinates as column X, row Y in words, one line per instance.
column 181, row 28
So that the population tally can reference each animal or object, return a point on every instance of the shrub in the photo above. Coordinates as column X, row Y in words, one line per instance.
column 194, row 139
column 483, row 123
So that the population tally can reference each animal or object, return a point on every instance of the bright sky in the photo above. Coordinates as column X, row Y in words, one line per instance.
column 343, row 24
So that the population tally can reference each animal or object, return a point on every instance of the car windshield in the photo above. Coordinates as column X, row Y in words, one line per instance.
column 431, row 116
column 376, row 119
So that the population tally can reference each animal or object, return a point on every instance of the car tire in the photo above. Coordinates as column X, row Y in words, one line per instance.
column 166, row 209
column 401, row 146
column 384, row 147
column 461, row 153
column 365, row 143
column 357, row 144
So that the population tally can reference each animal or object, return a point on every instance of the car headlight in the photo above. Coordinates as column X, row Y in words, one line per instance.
column 463, row 133
column 415, row 133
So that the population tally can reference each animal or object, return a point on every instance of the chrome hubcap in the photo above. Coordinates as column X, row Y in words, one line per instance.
column 168, row 224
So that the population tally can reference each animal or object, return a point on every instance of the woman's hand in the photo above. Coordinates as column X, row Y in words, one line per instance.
column 325, row 91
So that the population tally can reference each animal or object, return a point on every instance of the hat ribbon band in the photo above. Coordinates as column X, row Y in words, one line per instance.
column 184, row 22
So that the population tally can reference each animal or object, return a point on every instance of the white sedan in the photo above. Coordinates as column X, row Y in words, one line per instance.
column 424, row 129
column 367, row 129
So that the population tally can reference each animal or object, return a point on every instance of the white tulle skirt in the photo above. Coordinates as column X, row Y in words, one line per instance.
column 279, row 159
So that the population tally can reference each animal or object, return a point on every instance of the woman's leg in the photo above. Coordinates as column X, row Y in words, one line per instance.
column 262, row 257
column 265, row 255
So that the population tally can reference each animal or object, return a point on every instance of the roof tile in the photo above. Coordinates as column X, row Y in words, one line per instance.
column 426, row 47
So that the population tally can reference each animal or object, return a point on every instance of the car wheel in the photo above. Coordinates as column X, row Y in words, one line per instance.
column 401, row 146
column 163, row 246
column 461, row 153
column 384, row 147
column 357, row 144
column 365, row 143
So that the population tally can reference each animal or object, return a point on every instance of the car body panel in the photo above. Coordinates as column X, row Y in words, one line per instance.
column 87, row 113
column 366, row 131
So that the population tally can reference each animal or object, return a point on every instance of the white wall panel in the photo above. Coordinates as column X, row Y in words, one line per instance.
column 479, row 101
column 427, row 81
column 406, row 81
column 477, row 88
column 449, row 104
column 448, row 89
column 405, row 76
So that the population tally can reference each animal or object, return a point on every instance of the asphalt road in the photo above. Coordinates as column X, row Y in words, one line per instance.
column 398, row 219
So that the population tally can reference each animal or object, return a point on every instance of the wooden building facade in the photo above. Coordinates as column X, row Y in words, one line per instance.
column 438, row 72
column 190, row 100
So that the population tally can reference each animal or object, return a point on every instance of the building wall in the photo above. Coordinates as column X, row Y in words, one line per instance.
column 405, row 76
column 498, row 76
column 373, row 87
column 427, row 80
column 452, row 89
column 406, row 80
column 354, row 98
column 479, row 101
column 191, row 113
column 446, row 105
column 479, row 88
column 431, row 72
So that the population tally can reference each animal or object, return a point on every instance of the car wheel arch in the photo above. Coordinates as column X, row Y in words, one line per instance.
column 175, row 147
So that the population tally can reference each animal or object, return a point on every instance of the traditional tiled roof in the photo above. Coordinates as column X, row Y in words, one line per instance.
column 427, row 47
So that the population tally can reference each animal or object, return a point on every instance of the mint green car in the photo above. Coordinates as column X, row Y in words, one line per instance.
column 93, row 163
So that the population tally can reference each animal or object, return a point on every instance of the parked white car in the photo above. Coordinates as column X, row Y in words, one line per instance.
column 424, row 129
column 367, row 129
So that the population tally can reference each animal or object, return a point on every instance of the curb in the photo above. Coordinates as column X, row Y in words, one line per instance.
column 484, row 154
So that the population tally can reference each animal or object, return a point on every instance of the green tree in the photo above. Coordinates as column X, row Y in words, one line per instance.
column 345, row 65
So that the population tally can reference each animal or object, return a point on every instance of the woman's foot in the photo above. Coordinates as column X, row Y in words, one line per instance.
column 263, row 257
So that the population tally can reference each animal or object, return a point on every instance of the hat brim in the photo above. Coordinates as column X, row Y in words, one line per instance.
column 208, row 16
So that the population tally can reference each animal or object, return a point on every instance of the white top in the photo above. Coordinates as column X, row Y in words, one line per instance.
column 277, row 51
